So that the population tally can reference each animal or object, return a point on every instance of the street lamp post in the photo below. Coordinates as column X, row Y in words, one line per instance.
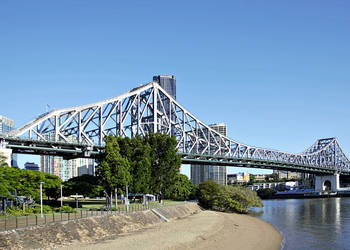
column 41, row 199
column 76, row 197
column 127, row 198
column 61, row 196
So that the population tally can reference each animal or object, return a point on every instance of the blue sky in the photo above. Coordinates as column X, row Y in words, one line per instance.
column 276, row 72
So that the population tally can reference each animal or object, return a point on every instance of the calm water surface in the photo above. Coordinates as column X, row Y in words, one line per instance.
column 310, row 223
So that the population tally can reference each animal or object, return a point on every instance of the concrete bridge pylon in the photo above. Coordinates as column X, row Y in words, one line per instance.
column 327, row 183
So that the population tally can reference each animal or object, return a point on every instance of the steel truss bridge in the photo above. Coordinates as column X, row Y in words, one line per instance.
column 80, row 131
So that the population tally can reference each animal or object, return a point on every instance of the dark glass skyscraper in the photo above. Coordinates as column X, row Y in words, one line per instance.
column 200, row 173
column 168, row 83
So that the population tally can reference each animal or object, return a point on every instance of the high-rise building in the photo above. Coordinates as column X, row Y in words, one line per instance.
column 200, row 173
column 66, row 169
column 168, row 83
column 31, row 166
column 6, row 125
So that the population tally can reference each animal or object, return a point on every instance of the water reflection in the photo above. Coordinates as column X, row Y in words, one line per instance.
column 310, row 223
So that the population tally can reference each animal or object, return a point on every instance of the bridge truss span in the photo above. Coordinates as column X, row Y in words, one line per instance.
column 149, row 108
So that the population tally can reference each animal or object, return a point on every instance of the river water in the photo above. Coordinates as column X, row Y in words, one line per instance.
column 309, row 223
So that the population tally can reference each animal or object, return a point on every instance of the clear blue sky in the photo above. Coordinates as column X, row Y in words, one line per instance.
column 276, row 72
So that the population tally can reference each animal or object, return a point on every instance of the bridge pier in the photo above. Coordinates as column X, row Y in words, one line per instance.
column 327, row 182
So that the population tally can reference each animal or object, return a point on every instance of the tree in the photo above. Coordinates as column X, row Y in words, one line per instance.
column 27, row 183
column 274, row 176
column 86, row 185
column 165, row 163
column 113, row 170
column 52, row 185
column 181, row 189
column 251, row 179
column 266, row 193
column 140, row 161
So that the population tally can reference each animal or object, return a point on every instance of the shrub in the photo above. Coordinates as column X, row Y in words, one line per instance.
column 227, row 198
column 266, row 193
column 65, row 209
column 208, row 193
column 46, row 209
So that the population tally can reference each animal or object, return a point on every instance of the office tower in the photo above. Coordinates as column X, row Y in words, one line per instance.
column 200, row 173
column 31, row 166
column 6, row 125
column 168, row 83
column 66, row 169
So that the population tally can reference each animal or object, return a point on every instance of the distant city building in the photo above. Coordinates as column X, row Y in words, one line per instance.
column 238, row 178
column 200, row 173
column 31, row 166
column 168, row 83
column 287, row 174
column 278, row 186
column 66, row 169
column 220, row 128
column 261, row 177
column 6, row 125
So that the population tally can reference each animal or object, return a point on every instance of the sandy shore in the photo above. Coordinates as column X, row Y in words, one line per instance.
column 205, row 230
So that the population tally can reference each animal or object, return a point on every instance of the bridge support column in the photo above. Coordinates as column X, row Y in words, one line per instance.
column 327, row 182
column 7, row 153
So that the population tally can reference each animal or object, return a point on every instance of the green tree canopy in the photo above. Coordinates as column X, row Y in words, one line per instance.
column 86, row 185
column 27, row 183
column 113, row 170
column 140, row 166
column 181, row 189
column 165, row 163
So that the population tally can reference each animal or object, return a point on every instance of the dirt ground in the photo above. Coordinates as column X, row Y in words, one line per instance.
column 205, row 230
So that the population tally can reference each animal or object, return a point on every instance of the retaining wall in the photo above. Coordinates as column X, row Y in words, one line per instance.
column 92, row 228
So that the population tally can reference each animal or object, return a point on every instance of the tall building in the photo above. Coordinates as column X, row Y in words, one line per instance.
column 6, row 125
column 31, row 166
column 168, row 83
column 200, row 173
column 66, row 169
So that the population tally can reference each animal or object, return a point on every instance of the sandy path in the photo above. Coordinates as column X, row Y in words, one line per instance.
column 206, row 230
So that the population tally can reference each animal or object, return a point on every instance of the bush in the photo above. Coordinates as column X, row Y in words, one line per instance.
column 266, row 193
column 15, row 211
column 227, row 198
column 65, row 209
column 46, row 209
column 208, row 194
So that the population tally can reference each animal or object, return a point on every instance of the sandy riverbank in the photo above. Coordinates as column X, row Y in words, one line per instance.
column 205, row 230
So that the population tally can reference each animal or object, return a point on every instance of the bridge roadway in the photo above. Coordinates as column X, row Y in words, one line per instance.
column 75, row 150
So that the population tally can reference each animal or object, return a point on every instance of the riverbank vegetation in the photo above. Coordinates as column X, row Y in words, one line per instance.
column 145, row 164
column 227, row 198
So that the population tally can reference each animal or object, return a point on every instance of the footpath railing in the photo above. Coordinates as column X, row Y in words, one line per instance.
column 16, row 222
